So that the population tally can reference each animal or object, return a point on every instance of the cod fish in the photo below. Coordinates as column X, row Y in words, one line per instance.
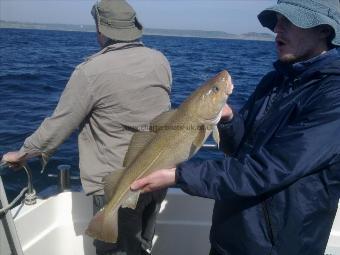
column 172, row 138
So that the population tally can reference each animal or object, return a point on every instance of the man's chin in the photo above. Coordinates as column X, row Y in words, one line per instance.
column 288, row 58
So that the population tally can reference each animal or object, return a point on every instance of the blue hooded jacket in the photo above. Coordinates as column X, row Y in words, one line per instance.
column 278, row 190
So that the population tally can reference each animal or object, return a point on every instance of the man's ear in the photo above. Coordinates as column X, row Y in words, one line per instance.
column 325, row 31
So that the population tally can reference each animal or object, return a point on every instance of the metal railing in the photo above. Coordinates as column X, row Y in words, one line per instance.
column 30, row 194
column 9, row 241
column 63, row 183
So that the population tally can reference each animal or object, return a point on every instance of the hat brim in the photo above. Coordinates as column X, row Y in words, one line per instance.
column 121, row 34
column 300, row 17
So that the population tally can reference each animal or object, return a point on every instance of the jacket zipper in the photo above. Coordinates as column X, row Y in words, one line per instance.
column 268, row 222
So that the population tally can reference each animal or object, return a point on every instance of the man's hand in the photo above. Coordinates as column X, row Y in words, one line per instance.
column 227, row 113
column 14, row 159
column 160, row 179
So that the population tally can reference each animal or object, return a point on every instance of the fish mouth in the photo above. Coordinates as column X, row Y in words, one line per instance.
column 229, row 87
column 225, row 78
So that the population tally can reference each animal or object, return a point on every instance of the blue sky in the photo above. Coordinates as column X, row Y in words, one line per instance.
column 232, row 16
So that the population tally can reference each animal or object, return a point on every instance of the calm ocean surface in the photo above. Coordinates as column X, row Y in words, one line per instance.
column 36, row 65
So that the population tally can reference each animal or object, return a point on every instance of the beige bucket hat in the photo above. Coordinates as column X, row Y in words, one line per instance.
column 117, row 20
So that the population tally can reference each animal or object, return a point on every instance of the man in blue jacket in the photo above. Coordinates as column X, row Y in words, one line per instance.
column 278, row 189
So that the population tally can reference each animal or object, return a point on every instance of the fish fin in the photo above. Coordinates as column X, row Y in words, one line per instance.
column 111, row 181
column 216, row 135
column 138, row 141
column 201, row 136
column 104, row 226
column 161, row 120
column 199, row 140
column 131, row 200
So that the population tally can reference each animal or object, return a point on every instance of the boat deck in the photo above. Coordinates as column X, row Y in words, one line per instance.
column 56, row 225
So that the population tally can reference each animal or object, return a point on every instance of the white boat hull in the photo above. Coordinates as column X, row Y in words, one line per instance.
column 55, row 226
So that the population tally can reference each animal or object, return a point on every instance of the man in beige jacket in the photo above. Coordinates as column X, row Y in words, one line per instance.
column 109, row 97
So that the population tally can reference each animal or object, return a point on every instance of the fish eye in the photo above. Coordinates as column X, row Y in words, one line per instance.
column 215, row 89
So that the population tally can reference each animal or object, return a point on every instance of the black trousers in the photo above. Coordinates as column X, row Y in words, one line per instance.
column 213, row 251
column 136, row 228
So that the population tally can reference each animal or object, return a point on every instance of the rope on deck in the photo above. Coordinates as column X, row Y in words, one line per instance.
column 11, row 205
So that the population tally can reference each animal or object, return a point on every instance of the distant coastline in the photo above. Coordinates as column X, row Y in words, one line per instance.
column 147, row 31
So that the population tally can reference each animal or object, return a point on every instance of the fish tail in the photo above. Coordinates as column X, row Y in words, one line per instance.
column 104, row 226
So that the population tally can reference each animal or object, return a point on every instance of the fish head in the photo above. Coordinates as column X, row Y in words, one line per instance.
column 206, row 103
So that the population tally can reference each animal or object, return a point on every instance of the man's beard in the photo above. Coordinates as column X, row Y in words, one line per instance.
column 288, row 59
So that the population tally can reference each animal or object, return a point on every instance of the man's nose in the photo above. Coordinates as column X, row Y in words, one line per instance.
column 278, row 26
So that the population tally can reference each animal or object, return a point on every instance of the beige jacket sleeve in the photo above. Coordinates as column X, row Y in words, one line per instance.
column 74, row 104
